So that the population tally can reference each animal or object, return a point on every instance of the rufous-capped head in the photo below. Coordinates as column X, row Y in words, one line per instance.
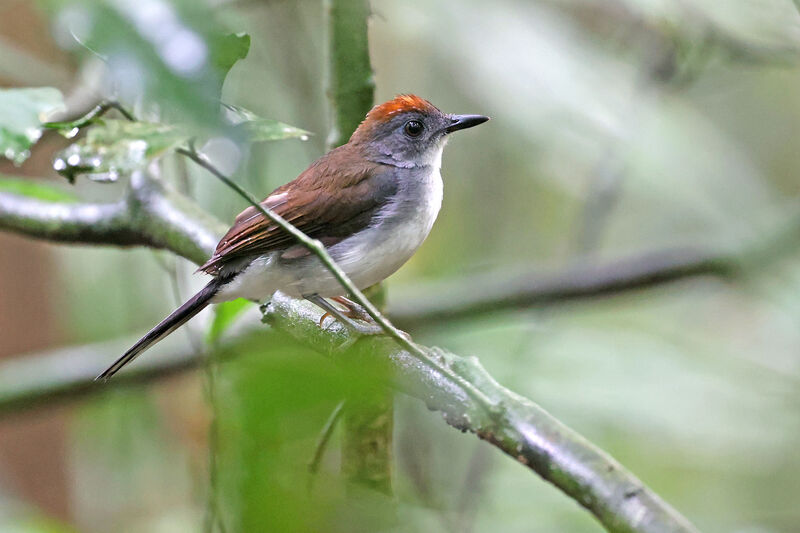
column 408, row 131
column 402, row 103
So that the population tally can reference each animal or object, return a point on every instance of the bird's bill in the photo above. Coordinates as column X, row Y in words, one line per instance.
column 462, row 122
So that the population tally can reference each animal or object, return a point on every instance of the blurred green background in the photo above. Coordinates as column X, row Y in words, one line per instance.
column 618, row 127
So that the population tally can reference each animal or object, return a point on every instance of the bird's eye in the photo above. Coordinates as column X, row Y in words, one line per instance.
column 413, row 128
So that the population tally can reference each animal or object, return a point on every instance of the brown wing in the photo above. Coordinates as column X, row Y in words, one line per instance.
column 309, row 202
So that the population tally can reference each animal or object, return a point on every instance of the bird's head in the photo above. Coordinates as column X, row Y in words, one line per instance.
column 408, row 131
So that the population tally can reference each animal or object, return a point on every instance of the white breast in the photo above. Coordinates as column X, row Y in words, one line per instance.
column 368, row 257
column 383, row 248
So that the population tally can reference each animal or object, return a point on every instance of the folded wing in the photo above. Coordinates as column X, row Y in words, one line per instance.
column 322, row 202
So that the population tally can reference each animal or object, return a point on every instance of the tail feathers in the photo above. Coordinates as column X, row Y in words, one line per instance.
column 180, row 316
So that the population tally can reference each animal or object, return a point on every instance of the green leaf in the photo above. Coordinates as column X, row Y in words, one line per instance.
column 113, row 148
column 259, row 129
column 33, row 189
column 22, row 114
column 224, row 316
column 227, row 50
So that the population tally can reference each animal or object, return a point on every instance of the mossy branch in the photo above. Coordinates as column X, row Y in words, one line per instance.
column 150, row 215
column 472, row 402
column 514, row 424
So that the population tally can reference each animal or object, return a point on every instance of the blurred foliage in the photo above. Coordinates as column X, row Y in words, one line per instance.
column 23, row 112
column 36, row 190
column 113, row 147
column 618, row 125
column 273, row 402
column 259, row 129
column 117, row 147
column 167, row 56
column 122, row 447
column 224, row 316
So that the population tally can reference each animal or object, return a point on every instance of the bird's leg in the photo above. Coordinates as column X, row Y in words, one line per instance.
column 354, row 310
column 332, row 310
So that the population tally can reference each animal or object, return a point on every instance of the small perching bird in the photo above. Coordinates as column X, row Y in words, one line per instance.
column 371, row 202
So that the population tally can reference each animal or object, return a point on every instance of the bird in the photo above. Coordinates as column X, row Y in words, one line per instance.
column 371, row 202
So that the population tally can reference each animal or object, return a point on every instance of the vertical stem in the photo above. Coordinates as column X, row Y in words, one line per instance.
column 351, row 87
column 368, row 418
column 369, row 427
column 367, row 446
column 213, row 520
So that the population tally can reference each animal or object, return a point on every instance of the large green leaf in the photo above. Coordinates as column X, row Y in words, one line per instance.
column 33, row 189
column 22, row 113
column 113, row 148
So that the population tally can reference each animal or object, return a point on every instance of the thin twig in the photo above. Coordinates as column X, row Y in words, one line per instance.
column 432, row 303
column 213, row 516
column 322, row 442
column 98, row 111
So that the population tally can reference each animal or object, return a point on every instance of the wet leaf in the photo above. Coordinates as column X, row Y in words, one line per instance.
column 259, row 129
column 114, row 148
column 225, row 315
column 33, row 189
column 22, row 115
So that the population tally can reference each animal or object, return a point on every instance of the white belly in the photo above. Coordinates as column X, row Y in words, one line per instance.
column 367, row 258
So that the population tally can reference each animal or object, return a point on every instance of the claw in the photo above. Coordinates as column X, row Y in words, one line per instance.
column 354, row 310
column 346, row 318
column 325, row 315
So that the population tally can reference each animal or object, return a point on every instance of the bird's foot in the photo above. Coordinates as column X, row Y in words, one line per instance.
column 346, row 318
column 354, row 310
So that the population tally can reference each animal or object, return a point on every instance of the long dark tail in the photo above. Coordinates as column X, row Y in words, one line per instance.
column 181, row 315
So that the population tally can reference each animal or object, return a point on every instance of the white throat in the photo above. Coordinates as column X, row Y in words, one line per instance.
column 435, row 158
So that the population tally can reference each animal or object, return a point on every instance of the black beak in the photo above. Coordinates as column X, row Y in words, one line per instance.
column 462, row 122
